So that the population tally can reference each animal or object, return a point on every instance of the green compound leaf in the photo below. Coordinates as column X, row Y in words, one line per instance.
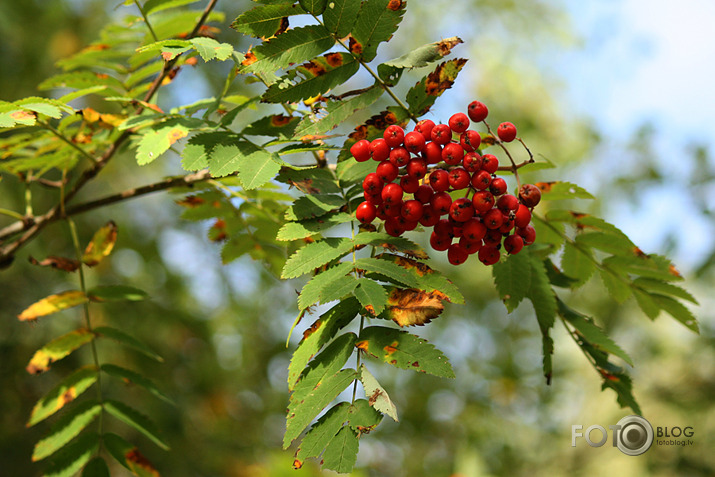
column 294, row 46
column 322, row 432
column 341, row 453
column 132, row 378
column 376, row 23
column 313, row 290
column 336, row 112
column 371, row 295
column 128, row 456
column 315, row 255
column 135, row 419
column 63, row 393
column 340, row 15
column 127, row 340
column 66, row 428
column 313, row 78
column 265, row 21
column 422, row 96
column 404, row 350
column 57, row 349
column 320, row 333
column 96, row 467
column 513, row 279
column 376, row 394
column 73, row 457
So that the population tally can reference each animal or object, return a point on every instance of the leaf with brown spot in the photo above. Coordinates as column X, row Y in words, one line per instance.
column 423, row 95
column 57, row 349
column 101, row 245
column 129, row 456
column 249, row 59
column 376, row 394
column 66, row 391
column 424, row 277
column 53, row 304
column 58, row 263
column 409, row 307
column 191, row 201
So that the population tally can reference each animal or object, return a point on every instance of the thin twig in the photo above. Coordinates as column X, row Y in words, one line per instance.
column 146, row 20
column 63, row 138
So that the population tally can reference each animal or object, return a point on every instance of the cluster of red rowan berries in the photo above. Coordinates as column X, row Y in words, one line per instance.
column 436, row 177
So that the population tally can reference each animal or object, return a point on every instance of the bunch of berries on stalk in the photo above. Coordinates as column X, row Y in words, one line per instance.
column 436, row 176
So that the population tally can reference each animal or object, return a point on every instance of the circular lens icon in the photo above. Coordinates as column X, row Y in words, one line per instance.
column 635, row 435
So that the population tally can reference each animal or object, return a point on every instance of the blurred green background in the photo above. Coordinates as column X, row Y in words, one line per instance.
column 222, row 329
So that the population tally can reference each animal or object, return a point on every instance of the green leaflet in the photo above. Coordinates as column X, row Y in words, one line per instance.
column 66, row 428
column 559, row 190
column 404, row 350
column 135, row 419
column 199, row 148
column 341, row 453
column 339, row 289
column 326, row 364
column 63, row 393
column 313, row 205
column 128, row 455
column 96, row 467
column 663, row 288
column 316, row 7
column 313, row 78
column 82, row 80
column 541, row 294
column 158, row 139
column 132, row 378
column 577, row 262
column 127, row 340
column 338, row 111
column 274, row 125
column 116, row 293
column 421, row 275
column 315, row 255
column 677, row 310
column 371, row 295
column 340, row 15
column 264, row 21
column 312, row 291
column 154, row 6
column 375, row 24
column 73, row 457
column 294, row 46
column 319, row 334
column 422, row 96
column 323, row 431
column 390, row 269
column 311, row 181
column 210, row 49
column 376, row 394
column 308, row 227
column 363, row 417
column 617, row 287
column 255, row 166
column 391, row 71
column 512, row 278
column 48, row 107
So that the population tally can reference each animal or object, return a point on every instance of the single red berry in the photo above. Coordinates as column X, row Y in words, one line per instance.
column 528, row 233
column 379, row 149
column 482, row 201
column 407, row 224
column 472, row 162
column 444, row 227
column 477, row 111
column 506, row 132
column 425, row 127
column 493, row 219
column 481, row 180
column 498, row 186
column 399, row 156
column 394, row 227
column 459, row 178
column 474, row 230
column 392, row 209
column 441, row 134
column 493, row 238
column 470, row 246
column 457, row 229
column 530, row 195
column 440, row 242
column 442, row 201
column 432, row 153
column 522, row 216
column 459, row 122
column 374, row 197
column 456, row 254
column 372, row 184
column 424, row 193
column 361, row 150
column 366, row 212
column 416, row 168
column 461, row 210
column 414, row 142
column 387, row 171
column 513, row 244
column 507, row 225
column 381, row 212
column 392, row 194
column 409, row 184
column 490, row 163
column 439, row 180
column 507, row 203
column 412, row 210
column 394, row 135
column 470, row 140
column 452, row 154
column 429, row 216
column 488, row 255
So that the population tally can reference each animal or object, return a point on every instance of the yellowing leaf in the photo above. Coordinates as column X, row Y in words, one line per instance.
column 101, row 245
column 53, row 304
column 58, row 349
column 408, row 307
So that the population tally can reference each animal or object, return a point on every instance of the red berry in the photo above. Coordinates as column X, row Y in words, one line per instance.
column 374, row 198
column 522, row 216
column 472, row 162
column 440, row 242
column 387, row 171
column 394, row 227
column 399, row 156
column 493, row 237
column 482, row 201
column 528, row 233
column 361, row 150
column 414, row 142
column 507, row 203
column 470, row 246
column 372, row 184
column 441, row 134
column 513, row 244
column 444, row 227
column 457, row 229
column 366, row 212
column 406, row 224
column 493, row 219
column 498, row 186
column 481, row 180
column 425, row 127
column 477, row 111
column 381, row 212
column 379, row 149
column 424, row 193
column 439, row 180
column 470, row 140
column 391, row 209
column 456, row 254
column 416, row 168
column 506, row 132
column 441, row 202
column 490, row 163
column 530, row 195
column 394, row 135
column 474, row 230
column 452, row 154
column 506, row 225
column 461, row 210
column 488, row 255
column 432, row 153
column 429, row 216
column 412, row 210
column 459, row 178
column 392, row 194
column 409, row 184
column 459, row 122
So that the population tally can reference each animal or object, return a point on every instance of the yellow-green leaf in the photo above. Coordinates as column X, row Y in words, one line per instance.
column 64, row 393
column 101, row 244
column 57, row 349
column 53, row 304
